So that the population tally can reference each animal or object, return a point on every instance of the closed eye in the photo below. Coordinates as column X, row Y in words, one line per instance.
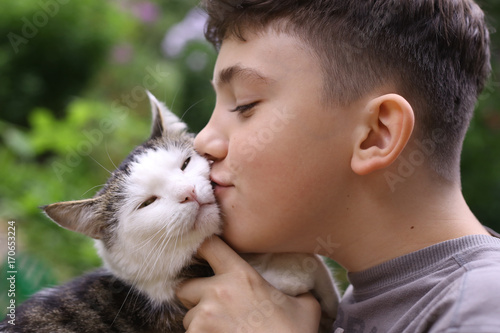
column 148, row 202
column 185, row 164
column 244, row 108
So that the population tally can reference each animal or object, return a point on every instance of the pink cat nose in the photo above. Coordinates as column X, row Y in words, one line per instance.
column 189, row 196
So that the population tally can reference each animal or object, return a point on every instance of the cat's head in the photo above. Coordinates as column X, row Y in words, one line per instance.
column 155, row 209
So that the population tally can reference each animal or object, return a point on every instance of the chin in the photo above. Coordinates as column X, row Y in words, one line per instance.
column 243, row 242
column 208, row 221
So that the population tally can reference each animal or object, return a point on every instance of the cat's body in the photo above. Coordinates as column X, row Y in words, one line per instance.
column 148, row 221
column 98, row 302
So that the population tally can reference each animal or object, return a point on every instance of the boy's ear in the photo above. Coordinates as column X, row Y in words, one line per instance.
column 80, row 216
column 384, row 130
column 164, row 121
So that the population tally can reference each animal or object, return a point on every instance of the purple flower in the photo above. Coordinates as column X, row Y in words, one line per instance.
column 146, row 11
column 189, row 29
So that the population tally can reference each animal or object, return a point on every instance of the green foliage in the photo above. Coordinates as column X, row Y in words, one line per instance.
column 72, row 106
column 51, row 49
column 35, row 276
column 197, row 94
column 481, row 158
column 481, row 151
column 62, row 159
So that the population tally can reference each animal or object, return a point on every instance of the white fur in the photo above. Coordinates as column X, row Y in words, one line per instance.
column 299, row 273
column 155, row 242
column 151, row 244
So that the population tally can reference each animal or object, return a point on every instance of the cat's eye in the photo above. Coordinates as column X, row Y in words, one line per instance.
column 148, row 202
column 185, row 164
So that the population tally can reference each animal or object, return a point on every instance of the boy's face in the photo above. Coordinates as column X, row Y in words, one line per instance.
column 281, row 159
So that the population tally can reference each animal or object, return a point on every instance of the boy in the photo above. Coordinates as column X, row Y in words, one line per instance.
column 337, row 130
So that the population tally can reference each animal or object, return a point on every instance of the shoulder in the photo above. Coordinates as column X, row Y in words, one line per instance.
column 481, row 285
column 479, row 282
column 474, row 300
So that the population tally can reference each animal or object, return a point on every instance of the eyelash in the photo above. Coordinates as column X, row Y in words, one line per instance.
column 244, row 108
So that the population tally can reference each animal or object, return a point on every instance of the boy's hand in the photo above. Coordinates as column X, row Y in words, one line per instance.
column 237, row 299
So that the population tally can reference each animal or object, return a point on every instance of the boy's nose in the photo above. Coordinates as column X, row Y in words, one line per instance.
column 210, row 143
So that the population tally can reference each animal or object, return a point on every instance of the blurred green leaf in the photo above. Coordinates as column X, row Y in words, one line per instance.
column 73, row 106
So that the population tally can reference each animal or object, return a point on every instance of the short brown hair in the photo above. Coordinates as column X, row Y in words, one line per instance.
column 435, row 53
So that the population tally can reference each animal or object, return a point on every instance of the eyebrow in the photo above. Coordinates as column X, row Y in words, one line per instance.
column 227, row 75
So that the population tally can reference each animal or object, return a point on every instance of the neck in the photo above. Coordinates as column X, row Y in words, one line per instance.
column 158, row 291
column 157, row 277
column 393, row 224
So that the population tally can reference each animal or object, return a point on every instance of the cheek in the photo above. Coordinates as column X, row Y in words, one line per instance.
column 152, row 222
column 242, row 153
column 267, row 203
column 285, row 190
column 289, row 167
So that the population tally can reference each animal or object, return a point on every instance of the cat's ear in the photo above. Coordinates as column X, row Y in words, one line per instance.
column 164, row 121
column 80, row 216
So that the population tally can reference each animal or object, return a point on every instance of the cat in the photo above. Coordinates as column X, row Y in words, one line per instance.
column 148, row 221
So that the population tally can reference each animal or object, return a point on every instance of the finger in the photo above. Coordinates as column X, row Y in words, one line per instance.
column 206, row 317
column 190, row 291
column 309, row 303
column 307, row 299
column 220, row 256
column 188, row 318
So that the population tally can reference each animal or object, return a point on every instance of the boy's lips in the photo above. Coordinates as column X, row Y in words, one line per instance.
column 220, row 186
column 220, row 182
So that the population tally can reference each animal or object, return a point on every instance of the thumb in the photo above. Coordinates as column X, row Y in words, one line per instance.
column 220, row 256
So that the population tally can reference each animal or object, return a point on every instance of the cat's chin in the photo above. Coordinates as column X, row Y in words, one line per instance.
column 207, row 220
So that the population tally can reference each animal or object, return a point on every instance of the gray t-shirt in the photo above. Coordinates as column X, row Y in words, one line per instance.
column 452, row 286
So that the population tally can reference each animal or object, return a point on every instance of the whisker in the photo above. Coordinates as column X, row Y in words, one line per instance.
column 158, row 247
column 175, row 97
column 174, row 254
column 156, row 251
column 165, row 239
column 180, row 233
column 90, row 189
column 107, row 152
column 121, row 307
column 192, row 105
column 100, row 165
column 144, row 243
column 133, row 284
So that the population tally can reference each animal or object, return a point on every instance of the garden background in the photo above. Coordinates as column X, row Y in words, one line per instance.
column 72, row 105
